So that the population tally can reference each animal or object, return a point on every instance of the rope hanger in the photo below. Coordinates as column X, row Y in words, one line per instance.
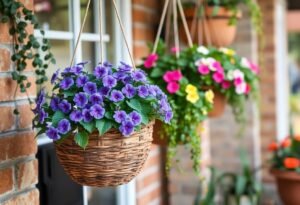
column 101, row 32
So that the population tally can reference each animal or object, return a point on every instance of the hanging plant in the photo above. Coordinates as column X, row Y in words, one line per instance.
column 27, row 49
column 190, row 103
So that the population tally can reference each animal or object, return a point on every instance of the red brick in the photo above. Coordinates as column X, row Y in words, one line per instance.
column 28, row 198
column 143, row 34
column 5, row 61
column 19, row 145
column 25, row 117
column 7, row 114
column 149, row 4
column 5, row 37
column 6, row 176
column 140, row 51
column 151, row 196
column 27, row 174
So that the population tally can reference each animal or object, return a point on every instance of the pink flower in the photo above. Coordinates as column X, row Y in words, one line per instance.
column 151, row 60
column 217, row 66
column 241, row 88
column 226, row 84
column 238, row 81
column 175, row 49
column 248, row 89
column 254, row 68
column 218, row 77
column 203, row 69
column 170, row 76
column 172, row 87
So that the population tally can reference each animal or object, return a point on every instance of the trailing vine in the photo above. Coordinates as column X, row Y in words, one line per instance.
column 27, row 49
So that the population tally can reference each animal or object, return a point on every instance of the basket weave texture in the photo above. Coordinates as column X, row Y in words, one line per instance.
column 108, row 160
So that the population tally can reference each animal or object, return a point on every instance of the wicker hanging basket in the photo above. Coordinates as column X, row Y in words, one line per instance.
column 108, row 160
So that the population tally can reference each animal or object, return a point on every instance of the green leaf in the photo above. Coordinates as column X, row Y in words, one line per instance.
column 82, row 139
column 145, row 119
column 103, row 126
column 58, row 116
column 88, row 126
column 135, row 104
column 156, row 72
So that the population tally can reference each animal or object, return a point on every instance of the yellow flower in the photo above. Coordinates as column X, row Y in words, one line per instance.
column 227, row 51
column 204, row 111
column 209, row 96
column 192, row 97
column 190, row 89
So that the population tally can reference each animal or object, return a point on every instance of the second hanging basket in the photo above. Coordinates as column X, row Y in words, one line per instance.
column 108, row 160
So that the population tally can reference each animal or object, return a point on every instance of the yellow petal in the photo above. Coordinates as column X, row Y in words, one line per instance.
column 209, row 96
column 190, row 89
column 193, row 97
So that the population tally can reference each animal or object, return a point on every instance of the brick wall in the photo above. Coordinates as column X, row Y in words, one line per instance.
column 18, row 166
column 149, row 182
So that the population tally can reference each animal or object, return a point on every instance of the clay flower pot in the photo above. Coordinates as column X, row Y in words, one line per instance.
column 288, row 186
column 213, row 30
column 219, row 105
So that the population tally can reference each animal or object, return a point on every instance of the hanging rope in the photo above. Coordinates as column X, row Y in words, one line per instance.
column 100, row 30
column 81, row 30
column 175, row 24
column 185, row 25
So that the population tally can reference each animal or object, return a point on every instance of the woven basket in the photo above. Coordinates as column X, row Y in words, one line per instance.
column 109, row 160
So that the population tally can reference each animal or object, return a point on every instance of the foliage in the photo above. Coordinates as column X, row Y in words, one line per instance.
column 111, row 97
column 26, row 47
column 190, row 102
column 232, row 186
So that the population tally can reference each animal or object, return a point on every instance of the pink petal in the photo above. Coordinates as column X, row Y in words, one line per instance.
column 203, row 69
column 168, row 77
column 218, row 77
column 176, row 75
column 172, row 87
column 226, row 84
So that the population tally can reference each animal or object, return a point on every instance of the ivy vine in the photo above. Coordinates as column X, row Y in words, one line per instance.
column 26, row 47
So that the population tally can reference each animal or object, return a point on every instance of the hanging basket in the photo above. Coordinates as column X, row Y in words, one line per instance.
column 108, row 160
column 219, row 105
column 214, row 30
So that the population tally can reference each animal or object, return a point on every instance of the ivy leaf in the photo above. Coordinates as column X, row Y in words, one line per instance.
column 135, row 104
column 82, row 139
column 103, row 126
column 58, row 116
column 88, row 126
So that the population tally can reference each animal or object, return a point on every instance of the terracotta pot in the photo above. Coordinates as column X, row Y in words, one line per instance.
column 288, row 186
column 213, row 30
column 219, row 105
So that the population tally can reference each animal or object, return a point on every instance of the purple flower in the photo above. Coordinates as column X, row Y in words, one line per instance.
column 64, row 106
column 124, row 67
column 101, row 71
column 120, row 75
column 83, row 63
column 81, row 81
column 104, row 91
column 52, row 133
column 41, row 98
column 126, row 128
column 107, row 64
column 120, row 116
column 66, row 71
column 139, row 76
column 42, row 116
column 135, row 118
column 64, row 126
column 76, row 116
column 54, row 76
column 96, row 98
column 87, row 117
column 127, row 80
column 168, row 116
column 54, row 103
column 116, row 96
column 143, row 91
column 164, row 105
column 97, row 111
column 66, row 83
column 90, row 88
column 129, row 91
column 109, row 81
column 80, row 99
column 77, row 69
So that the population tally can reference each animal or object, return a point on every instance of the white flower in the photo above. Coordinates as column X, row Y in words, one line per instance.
column 203, row 50
column 198, row 62
column 230, row 75
column 241, row 88
column 238, row 74
column 245, row 63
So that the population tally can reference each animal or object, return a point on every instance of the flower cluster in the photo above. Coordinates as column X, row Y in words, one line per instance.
column 286, row 154
column 110, row 97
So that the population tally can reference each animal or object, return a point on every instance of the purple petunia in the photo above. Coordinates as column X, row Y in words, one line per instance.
column 168, row 116
column 90, row 88
column 120, row 116
column 54, row 76
column 66, row 83
column 81, row 81
column 77, row 69
column 135, row 118
column 52, row 133
column 64, row 106
column 143, row 91
column 76, row 116
column 42, row 116
column 139, row 76
column 64, row 126
column 41, row 98
column 127, row 128
column 124, row 67
column 107, row 64
column 120, row 75
column 116, row 96
column 104, row 91
column 80, row 99
column 101, row 71
column 109, row 81
column 87, row 117
column 127, row 80
column 97, row 111
column 164, row 105
column 96, row 98
column 129, row 91
column 54, row 103
column 66, row 71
